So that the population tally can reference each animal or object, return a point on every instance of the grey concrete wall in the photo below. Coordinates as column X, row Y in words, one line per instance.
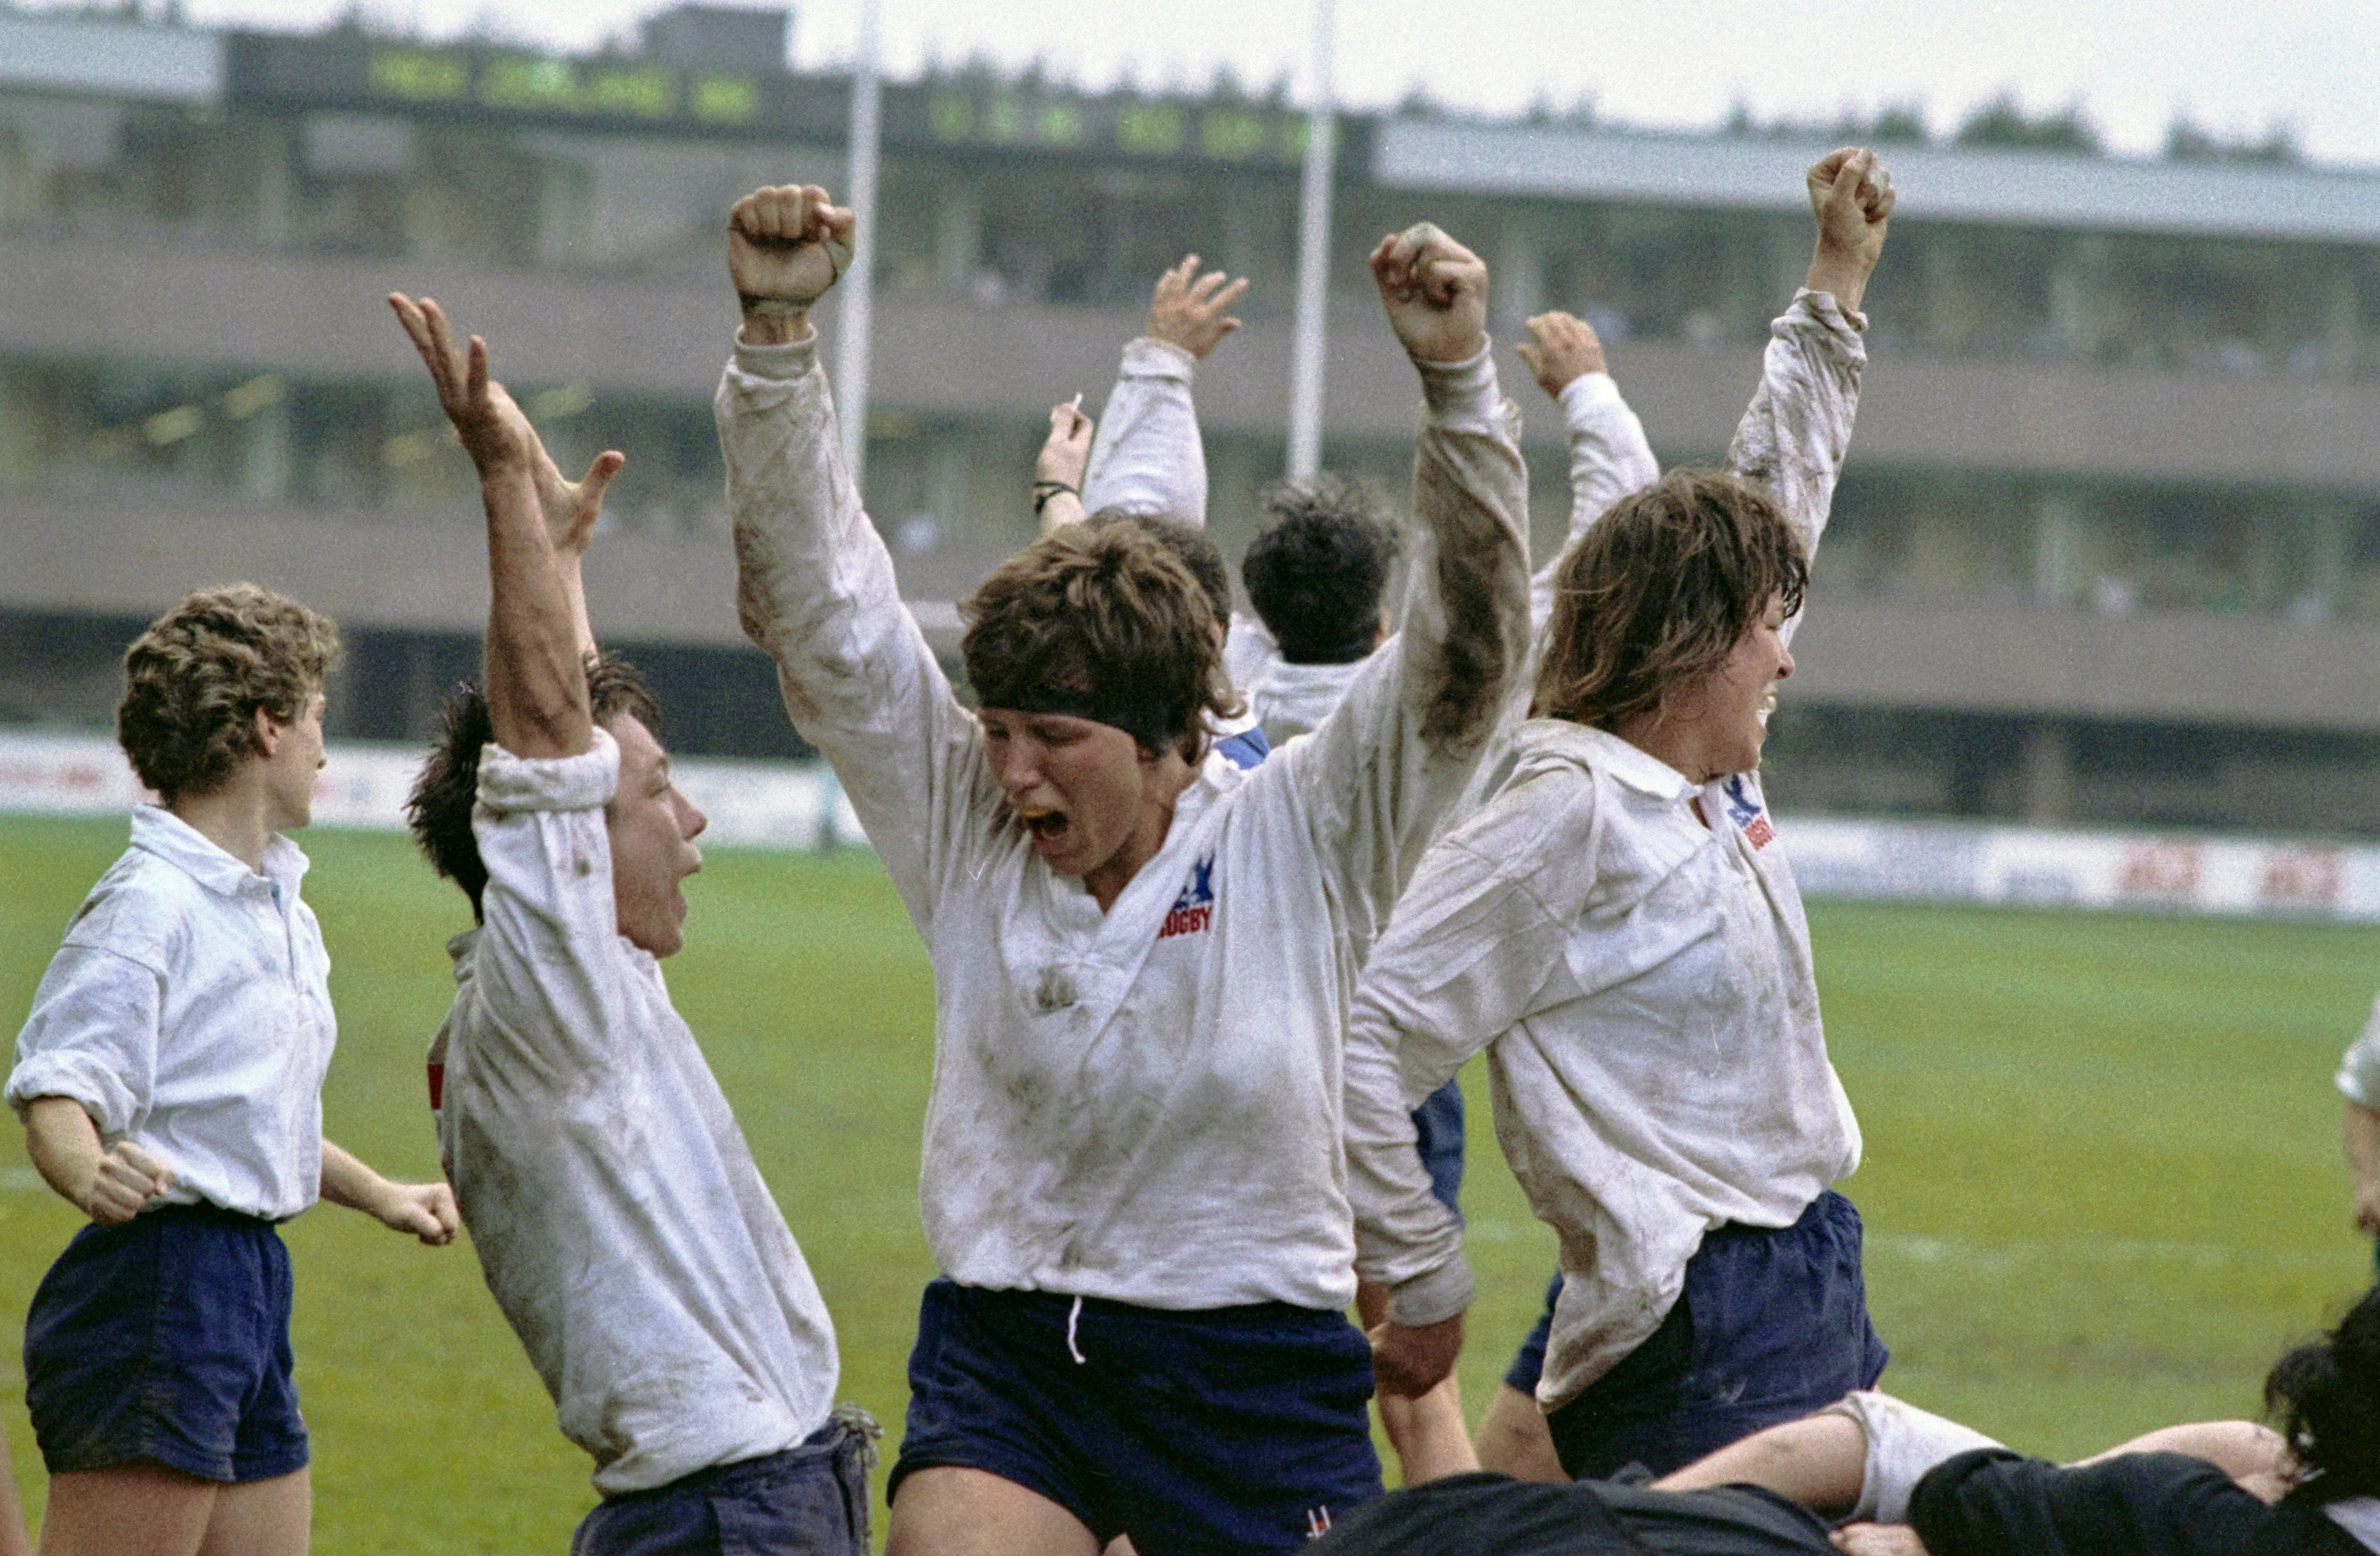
column 324, row 319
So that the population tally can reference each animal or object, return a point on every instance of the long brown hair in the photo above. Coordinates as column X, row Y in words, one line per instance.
column 1660, row 592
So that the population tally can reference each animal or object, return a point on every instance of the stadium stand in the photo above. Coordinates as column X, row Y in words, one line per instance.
column 2109, row 550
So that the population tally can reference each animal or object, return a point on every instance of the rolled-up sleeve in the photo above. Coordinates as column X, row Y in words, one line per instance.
column 2359, row 1067
column 1473, row 945
column 1609, row 457
column 815, row 588
column 92, row 1036
column 1797, row 431
column 1384, row 768
column 548, row 960
column 1146, row 456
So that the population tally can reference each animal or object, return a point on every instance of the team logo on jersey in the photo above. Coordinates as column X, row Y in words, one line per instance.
column 1745, row 810
column 1194, row 910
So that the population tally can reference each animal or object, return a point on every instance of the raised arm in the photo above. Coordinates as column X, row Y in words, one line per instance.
column 1474, row 938
column 539, row 525
column 814, row 584
column 1058, row 469
column 1147, row 457
column 1798, row 427
column 1608, row 454
column 1381, row 772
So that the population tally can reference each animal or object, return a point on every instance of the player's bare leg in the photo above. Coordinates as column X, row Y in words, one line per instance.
column 1513, row 1438
column 14, row 1539
column 955, row 1512
column 146, row 1509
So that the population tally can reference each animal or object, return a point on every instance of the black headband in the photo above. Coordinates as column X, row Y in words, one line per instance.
column 1152, row 726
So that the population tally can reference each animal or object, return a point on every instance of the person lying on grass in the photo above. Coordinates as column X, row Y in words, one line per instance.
column 617, row 1214
column 1133, row 1173
column 1873, row 1475
column 170, row 1078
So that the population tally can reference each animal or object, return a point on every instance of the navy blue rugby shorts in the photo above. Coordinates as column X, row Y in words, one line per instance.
column 167, row 1338
column 1772, row 1325
column 1227, row 1430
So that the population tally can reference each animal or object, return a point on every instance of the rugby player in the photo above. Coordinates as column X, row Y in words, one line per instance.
column 170, row 1079
column 1133, row 1161
column 1614, row 930
column 617, row 1214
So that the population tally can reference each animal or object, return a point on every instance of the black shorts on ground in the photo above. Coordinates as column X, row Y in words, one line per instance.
column 809, row 1500
column 1496, row 1516
column 1224, row 1430
column 1772, row 1325
column 167, row 1338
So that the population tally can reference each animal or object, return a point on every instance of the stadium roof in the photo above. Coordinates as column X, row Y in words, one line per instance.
column 120, row 58
column 1998, row 188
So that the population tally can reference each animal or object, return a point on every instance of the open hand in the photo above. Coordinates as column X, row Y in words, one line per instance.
column 1436, row 292
column 1067, row 449
column 787, row 243
column 427, row 1210
column 1191, row 310
column 1852, row 197
column 127, row 1178
column 1411, row 1362
column 1560, row 348
column 498, row 435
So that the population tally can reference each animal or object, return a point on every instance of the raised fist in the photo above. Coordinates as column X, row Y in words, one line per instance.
column 1851, row 196
column 1560, row 348
column 1436, row 292
column 788, row 244
column 1189, row 309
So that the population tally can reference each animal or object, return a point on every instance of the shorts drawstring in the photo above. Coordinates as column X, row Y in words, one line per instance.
column 1074, row 1317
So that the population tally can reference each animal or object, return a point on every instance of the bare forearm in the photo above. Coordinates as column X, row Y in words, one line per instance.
column 1818, row 1461
column 346, row 1181
column 14, row 1541
column 1842, row 275
column 2361, row 1128
column 63, row 1144
column 537, row 691
column 573, row 588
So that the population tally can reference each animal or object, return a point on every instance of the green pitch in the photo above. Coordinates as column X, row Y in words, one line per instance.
column 2102, row 1184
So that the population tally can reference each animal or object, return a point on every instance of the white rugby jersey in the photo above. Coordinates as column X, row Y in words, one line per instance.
column 1146, row 458
column 189, row 1011
column 1143, row 1105
column 1640, row 981
column 613, row 1205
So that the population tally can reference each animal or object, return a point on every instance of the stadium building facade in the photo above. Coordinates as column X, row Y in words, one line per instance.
column 2107, row 549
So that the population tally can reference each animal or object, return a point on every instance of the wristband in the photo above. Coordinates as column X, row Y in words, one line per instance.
column 1045, row 490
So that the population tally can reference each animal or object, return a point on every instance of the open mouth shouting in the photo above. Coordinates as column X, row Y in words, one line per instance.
column 1048, row 827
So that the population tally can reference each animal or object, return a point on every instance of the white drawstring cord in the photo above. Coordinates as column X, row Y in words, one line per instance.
column 1073, row 1315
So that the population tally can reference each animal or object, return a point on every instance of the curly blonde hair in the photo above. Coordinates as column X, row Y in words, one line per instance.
column 194, row 680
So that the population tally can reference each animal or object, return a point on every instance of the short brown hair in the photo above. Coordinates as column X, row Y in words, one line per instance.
column 194, row 680
column 1660, row 593
column 1104, row 622
column 438, row 811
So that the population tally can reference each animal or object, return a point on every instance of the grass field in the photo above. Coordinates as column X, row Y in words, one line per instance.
column 2102, row 1184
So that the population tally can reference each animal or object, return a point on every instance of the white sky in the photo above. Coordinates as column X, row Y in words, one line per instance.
column 2236, row 65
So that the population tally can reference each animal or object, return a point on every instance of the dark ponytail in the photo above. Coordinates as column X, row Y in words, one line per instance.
column 2327, row 1396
